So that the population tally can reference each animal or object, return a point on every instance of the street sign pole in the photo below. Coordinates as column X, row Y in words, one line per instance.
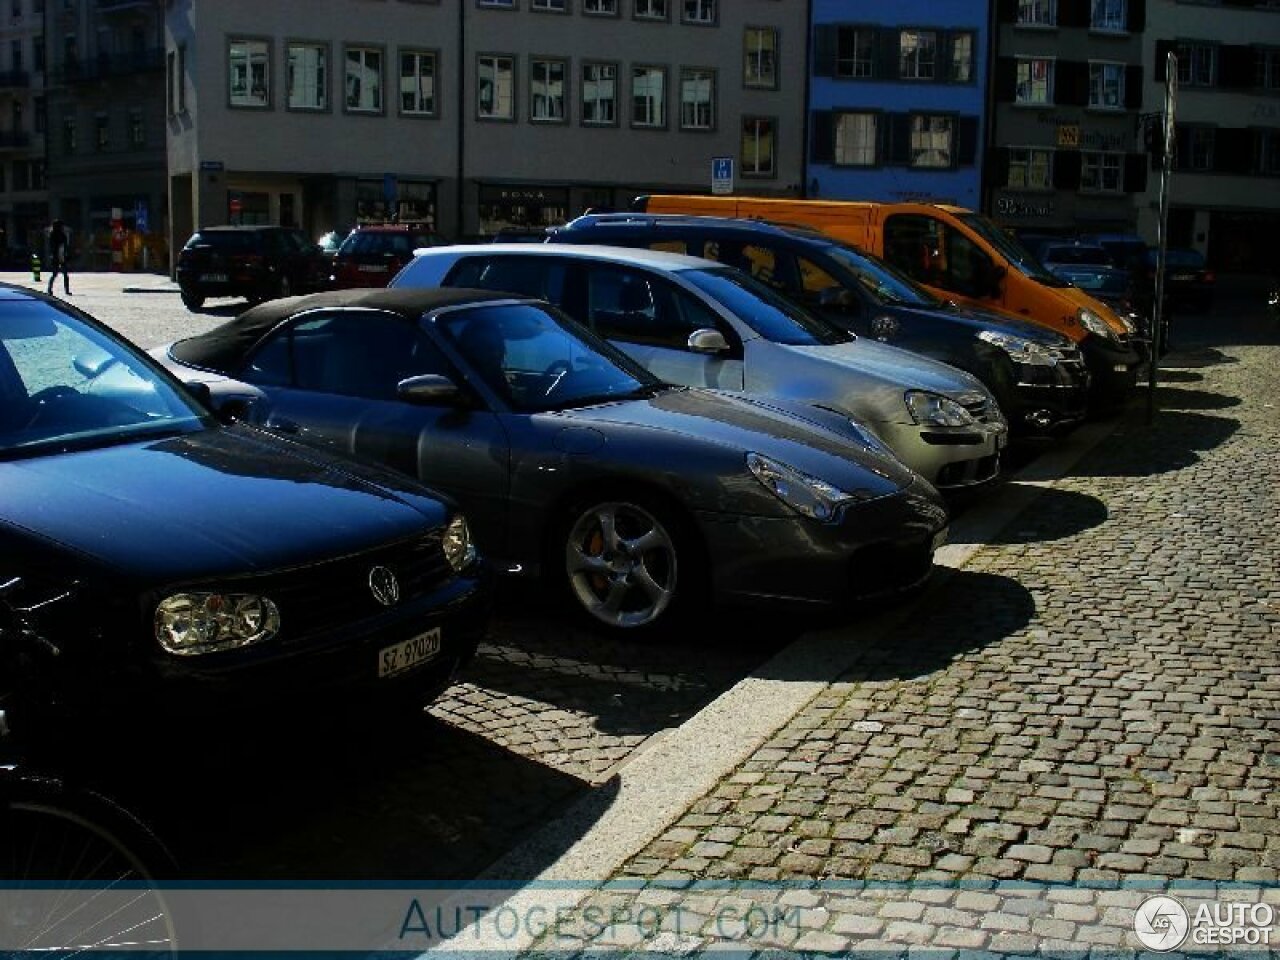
column 1162, row 232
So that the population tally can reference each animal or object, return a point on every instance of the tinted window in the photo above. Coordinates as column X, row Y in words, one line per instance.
column 356, row 354
column 1094, row 256
column 541, row 277
column 535, row 360
column 401, row 244
column 1010, row 248
column 882, row 281
column 225, row 241
column 635, row 307
column 767, row 313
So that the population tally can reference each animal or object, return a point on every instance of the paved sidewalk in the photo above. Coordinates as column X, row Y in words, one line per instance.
column 1093, row 702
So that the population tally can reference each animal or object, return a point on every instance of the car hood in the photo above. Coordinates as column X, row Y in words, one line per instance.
column 979, row 319
column 819, row 442
column 213, row 503
column 891, row 366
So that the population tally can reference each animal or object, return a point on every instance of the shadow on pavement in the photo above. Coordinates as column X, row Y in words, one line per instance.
column 1178, row 376
column 1176, row 398
column 1191, row 358
column 1173, row 442
column 1053, row 515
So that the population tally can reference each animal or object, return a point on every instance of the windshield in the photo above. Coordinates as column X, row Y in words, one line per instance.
column 1010, row 248
column 64, row 383
column 882, row 281
column 537, row 361
column 1093, row 256
column 767, row 313
column 1095, row 281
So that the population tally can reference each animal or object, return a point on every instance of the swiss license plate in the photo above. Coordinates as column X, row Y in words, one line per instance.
column 407, row 654
column 371, row 268
column 213, row 278
column 1183, row 276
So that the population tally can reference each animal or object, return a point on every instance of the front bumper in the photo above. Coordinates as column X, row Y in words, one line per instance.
column 1045, row 400
column 878, row 547
column 1113, row 370
column 949, row 457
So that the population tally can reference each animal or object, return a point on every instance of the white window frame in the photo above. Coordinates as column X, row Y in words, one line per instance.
column 756, row 53
column 929, row 133
column 1037, row 13
column 1050, row 69
column 860, row 68
column 751, row 136
column 420, row 91
column 542, row 106
column 651, row 9
column 1114, row 16
column 857, row 139
column 701, row 12
column 693, row 116
column 1197, row 64
column 649, row 121
column 600, row 8
column 319, row 72
column 244, row 69
column 1030, row 160
column 1098, row 70
column 360, row 70
column 915, row 58
column 595, row 84
column 495, row 62
column 1095, row 166
column 952, row 62
column 549, row 6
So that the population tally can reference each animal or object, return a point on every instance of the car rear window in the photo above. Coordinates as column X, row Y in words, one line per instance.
column 225, row 241
column 403, row 244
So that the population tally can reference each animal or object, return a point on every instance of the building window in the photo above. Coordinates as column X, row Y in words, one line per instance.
column 101, row 133
column 40, row 114
column 15, row 54
column 546, row 90
column 1195, row 148
column 606, row 8
column 759, row 139
column 1268, row 159
column 363, row 80
column 249, row 71
column 1197, row 64
column 1030, row 168
column 857, row 135
column 1101, row 172
column 855, row 52
column 917, row 54
column 417, row 83
column 760, row 57
column 932, row 141
column 137, row 130
column 17, row 116
column 600, row 94
column 961, row 58
column 1035, row 80
column 697, row 99
column 650, row 10
column 505, row 4
column 496, row 87
column 1040, row 13
column 1106, row 85
column 1107, row 15
column 69, row 135
column 548, row 6
column 699, row 11
column 182, row 78
column 37, row 53
column 307, row 76
column 1267, row 64
column 648, row 97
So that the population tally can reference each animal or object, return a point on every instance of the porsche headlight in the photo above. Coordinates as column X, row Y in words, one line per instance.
column 935, row 410
column 188, row 624
column 1021, row 350
column 806, row 495
column 1095, row 324
column 458, row 548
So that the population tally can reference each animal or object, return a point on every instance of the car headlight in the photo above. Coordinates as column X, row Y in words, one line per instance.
column 935, row 410
column 806, row 495
column 193, row 623
column 1021, row 350
column 1095, row 324
column 458, row 548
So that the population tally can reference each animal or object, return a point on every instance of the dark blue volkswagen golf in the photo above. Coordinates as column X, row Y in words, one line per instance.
column 164, row 558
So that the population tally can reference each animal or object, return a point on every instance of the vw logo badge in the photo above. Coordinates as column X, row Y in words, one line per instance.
column 383, row 585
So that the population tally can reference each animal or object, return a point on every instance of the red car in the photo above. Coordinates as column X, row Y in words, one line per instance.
column 372, row 255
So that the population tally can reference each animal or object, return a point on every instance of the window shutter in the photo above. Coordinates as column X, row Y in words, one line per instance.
column 1073, row 13
column 1181, row 145
column 898, row 141
column 822, row 123
column 1006, row 11
column 1136, row 20
column 998, row 167
column 1006, row 79
column 1135, row 172
column 1235, row 66
column 1233, row 150
column 1163, row 49
column 1066, row 170
column 967, row 141
column 887, row 54
column 1133, row 86
column 1071, row 83
column 824, row 50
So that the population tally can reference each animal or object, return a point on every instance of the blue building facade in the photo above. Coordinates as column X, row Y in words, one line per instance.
column 898, row 100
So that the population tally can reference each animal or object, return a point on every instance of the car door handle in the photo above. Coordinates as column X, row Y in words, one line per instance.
column 283, row 426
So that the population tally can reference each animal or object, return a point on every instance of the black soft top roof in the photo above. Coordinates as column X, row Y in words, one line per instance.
column 223, row 348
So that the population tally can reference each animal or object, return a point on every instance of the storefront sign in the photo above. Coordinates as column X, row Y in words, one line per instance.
column 1018, row 207
column 524, row 195
column 1099, row 140
column 1068, row 135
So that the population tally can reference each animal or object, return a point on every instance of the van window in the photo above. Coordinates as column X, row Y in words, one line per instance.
column 634, row 307
column 935, row 254
column 541, row 277
column 1011, row 249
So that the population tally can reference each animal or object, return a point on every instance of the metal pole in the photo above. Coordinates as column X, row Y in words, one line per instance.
column 1162, row 230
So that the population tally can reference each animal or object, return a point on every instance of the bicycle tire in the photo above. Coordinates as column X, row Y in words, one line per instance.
column 79, row 874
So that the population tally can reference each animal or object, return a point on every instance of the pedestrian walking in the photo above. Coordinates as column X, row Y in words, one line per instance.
column 59, row 253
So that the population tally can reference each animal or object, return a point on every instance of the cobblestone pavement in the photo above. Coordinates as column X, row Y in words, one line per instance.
column 1094, row 701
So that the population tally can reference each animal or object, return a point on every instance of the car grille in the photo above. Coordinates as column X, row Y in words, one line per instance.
column 337, row 592
column 979, row 407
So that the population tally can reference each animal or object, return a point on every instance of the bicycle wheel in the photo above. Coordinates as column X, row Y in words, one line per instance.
column 78, row 874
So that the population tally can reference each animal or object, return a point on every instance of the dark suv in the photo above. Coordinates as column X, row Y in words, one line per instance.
column 257, row 263
column 1037, row 375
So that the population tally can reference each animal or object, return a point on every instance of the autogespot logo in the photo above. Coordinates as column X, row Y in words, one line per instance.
column 1161, row 924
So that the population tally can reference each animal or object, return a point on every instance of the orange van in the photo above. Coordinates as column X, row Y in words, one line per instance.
column 960, row 255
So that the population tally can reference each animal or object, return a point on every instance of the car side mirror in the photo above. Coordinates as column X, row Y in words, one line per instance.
column 708, row 341
column 93, row 363
column 227, row 409
column 430, row 389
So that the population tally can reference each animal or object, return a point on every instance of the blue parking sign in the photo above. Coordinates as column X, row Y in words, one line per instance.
column 721, row 175
column 140, row 218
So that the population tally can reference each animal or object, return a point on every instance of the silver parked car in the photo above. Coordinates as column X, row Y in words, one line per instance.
column 698, row 323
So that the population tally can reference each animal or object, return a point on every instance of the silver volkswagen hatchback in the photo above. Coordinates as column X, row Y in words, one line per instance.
column 699, row 323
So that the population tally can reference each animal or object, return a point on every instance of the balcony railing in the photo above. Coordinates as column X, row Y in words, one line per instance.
column 14, row 79
column 110, row 65
column 14, row 140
